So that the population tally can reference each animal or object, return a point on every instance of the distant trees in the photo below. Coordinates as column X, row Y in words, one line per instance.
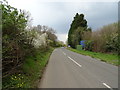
column 44, row 34
column 104, row 39
column 77, row 29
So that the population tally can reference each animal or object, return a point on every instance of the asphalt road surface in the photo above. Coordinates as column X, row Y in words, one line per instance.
column 67, row 69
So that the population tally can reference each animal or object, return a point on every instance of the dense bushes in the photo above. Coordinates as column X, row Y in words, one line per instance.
column 103, row 40
column 89, row 45
column 15, row 43
column 32, row 68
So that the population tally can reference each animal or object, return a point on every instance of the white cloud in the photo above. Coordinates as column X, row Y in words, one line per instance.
column 62, row 37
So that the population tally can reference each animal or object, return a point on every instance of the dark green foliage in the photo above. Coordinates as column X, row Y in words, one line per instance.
column 15, row 43
column 112, row 45
column 89, row 45
column 78, row 27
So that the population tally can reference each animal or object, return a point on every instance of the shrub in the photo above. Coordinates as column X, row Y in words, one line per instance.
column 16, row 44
column 89, row 45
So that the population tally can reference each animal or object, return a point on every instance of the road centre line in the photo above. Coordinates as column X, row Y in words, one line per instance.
column 64, row 53
column 81, row 66
column 75, row 62
column 107, row 86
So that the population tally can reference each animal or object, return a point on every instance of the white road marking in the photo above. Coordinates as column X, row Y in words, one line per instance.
column 64, row 53
column 74, row 61
column 107, row 86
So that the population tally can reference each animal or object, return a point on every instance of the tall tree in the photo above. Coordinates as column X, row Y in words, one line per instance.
column 78, row 26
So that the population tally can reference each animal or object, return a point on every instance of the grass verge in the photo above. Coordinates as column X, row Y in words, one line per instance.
column 109, row 58
column 32, row 70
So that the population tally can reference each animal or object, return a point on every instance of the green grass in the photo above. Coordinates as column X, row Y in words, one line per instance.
column 109, row 58
column 34, row 67
column 32, row 71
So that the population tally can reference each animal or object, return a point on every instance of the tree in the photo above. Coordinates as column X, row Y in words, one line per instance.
column 106, row 38
column 78, row 26
column 51, row 36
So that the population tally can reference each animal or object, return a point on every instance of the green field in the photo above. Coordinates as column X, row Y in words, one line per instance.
column 109, row 58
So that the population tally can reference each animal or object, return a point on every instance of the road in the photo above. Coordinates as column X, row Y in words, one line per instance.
column 67, row 69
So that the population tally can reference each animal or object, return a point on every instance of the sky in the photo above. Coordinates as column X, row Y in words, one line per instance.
column 59, row 14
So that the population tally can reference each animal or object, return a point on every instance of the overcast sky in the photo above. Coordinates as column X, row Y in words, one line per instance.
column 59, row 14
